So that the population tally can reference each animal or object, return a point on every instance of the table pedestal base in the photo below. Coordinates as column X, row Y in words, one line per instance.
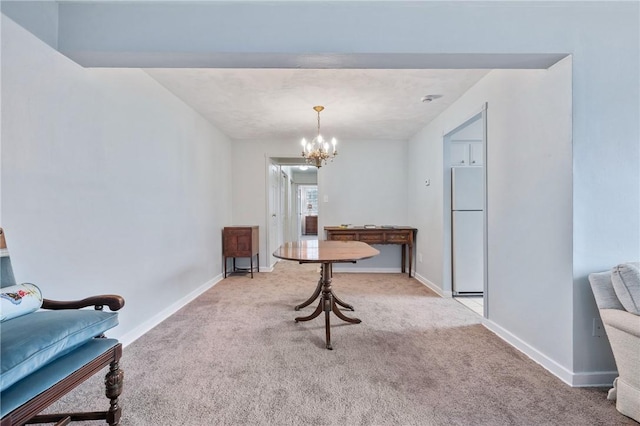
column 316, row 294
column 328, row 303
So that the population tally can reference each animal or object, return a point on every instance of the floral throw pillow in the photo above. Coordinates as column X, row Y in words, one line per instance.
column 18, row 300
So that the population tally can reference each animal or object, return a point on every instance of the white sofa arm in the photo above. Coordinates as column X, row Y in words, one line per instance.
column 622, row 320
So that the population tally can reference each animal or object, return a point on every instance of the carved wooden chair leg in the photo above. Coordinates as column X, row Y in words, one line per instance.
column 113, row 383
column 64, row 422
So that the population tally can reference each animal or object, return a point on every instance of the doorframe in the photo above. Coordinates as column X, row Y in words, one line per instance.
column 276, row 160
column 447, row 273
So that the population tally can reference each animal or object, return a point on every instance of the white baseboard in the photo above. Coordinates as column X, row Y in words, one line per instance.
column 432, row 286
column 132, row 335
column 337, row 268
column 595, row 379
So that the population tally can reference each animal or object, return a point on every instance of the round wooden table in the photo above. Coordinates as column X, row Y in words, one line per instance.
column 326, row 253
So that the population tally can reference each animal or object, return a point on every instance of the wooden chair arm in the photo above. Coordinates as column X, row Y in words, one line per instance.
column 113, row 301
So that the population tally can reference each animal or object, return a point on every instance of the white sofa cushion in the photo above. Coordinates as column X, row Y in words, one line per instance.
column 603, row 291
column 626, row 283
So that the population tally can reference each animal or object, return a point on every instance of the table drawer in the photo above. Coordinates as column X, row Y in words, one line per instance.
column 397, row 238
column 343, row 237
column 372, row 238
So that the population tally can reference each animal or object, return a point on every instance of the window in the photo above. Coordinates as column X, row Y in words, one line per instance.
column 309, row 200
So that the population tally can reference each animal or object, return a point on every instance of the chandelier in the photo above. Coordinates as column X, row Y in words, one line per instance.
column 318, row 151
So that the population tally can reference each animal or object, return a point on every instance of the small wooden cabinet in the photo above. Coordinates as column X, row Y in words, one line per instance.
column 311, row 225
column 240, row 241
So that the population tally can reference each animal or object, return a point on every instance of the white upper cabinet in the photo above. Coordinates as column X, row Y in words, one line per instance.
column 459, row 154
column 475, row 154
column 466, row 153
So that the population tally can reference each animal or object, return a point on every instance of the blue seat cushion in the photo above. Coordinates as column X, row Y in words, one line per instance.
column 31, row 341
column 52, row 373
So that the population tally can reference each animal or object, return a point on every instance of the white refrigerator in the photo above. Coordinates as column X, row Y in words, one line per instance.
column 467, row 215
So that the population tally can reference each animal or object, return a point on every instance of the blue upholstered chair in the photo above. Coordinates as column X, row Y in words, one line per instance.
column 46, row 353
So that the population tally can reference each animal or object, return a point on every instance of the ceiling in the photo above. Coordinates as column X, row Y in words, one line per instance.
column 277, row 104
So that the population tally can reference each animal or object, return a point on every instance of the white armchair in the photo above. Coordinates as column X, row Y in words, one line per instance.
column 623, row 330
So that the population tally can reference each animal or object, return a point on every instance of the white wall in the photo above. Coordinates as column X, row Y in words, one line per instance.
column 529, row 162
column 249, row 186
column 110, row 184
column 367, row 183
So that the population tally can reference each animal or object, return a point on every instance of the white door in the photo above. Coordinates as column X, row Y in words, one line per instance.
column 300, row 209
column 293, row 211
column 284, row 208
column 273, row 207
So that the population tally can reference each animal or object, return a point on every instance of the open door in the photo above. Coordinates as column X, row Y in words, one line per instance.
column 274, row 236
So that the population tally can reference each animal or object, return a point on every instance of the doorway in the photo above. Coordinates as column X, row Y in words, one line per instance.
column 308, row 212
column 465, row 213
column 286, row 213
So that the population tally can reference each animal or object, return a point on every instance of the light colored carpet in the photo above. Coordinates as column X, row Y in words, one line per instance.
column 235, row 356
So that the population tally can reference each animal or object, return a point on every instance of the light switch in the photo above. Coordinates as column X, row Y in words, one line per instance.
column 326, row 198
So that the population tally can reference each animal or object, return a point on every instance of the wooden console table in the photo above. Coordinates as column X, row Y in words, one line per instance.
column 402, row 235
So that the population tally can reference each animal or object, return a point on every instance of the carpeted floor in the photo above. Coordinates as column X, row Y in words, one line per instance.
column 235, row 356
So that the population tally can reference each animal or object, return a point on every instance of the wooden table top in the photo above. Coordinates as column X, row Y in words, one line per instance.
column 319, row 251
